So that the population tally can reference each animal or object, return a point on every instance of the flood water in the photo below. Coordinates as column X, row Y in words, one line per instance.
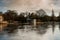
column 29, row 32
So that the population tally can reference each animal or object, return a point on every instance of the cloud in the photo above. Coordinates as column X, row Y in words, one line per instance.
column 29, row 5
column 26, row 5
column 56, row 2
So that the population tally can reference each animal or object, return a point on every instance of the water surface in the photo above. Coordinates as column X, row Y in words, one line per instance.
column 29, row 32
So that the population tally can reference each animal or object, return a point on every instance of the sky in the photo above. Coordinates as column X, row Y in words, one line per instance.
column 30, row 5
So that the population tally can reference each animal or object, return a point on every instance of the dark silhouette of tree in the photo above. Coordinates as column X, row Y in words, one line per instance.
column 41, row 15
column 1, row 13
column 41, row 12
column 59, row 17
column 22, row 18
column 33, row 16
column 10, row 15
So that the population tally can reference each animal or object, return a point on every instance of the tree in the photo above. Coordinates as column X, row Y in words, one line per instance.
column 10, row 15
column 41, row 12
column 21, row 18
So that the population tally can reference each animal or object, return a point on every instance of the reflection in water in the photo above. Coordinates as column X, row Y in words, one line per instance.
column 59, row 25
column 28, row 32
column 11, row 28
column 53, row 27
column 2, row 26
column 41, row 29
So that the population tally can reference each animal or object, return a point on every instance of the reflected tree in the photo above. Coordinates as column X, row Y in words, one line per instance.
column 41, row 29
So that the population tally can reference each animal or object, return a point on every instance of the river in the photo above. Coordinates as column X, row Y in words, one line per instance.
column 41, row 32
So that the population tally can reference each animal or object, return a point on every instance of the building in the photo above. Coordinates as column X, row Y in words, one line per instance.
column 1, row 18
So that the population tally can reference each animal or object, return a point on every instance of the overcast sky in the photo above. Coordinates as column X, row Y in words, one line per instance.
column 30, row 5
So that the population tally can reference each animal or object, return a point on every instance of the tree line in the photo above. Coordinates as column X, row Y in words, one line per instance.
column 11, row 15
